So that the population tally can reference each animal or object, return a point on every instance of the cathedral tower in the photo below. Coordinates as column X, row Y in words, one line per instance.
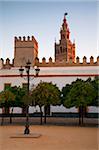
column 65, row 50
column 24, row 50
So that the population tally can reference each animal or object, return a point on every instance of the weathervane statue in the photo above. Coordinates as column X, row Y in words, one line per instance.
column 65, row 14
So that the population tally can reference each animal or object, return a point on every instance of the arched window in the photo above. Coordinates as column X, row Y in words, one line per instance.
column 63, row 36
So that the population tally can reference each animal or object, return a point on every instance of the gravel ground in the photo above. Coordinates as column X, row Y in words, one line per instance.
column 53, row 138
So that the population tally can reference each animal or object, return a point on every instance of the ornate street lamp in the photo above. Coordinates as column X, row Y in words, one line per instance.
column 21, row 70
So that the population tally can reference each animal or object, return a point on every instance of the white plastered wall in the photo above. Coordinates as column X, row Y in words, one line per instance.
column 57, row 75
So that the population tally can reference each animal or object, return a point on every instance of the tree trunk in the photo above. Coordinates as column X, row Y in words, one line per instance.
column 7, row 110
column 79, row 118
column 10, row 119
column 41, row 115
column 3, row 111
column 24, row 110
column 11, row 116
column 79, row 115
column 2, row 120
column 27, row 115
column 45, row 114
column 82, row 110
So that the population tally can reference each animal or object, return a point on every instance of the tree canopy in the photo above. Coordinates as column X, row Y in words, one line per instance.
column 46, row 94
column 81, row 94
column 7, row 99
column 19, row 93
column 95, row 84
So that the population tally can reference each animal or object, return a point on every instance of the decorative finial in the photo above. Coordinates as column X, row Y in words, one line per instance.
column 65, row 14
column 55, row 39
column 74, row 41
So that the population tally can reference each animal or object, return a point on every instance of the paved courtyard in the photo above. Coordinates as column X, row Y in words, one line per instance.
column 53, row 138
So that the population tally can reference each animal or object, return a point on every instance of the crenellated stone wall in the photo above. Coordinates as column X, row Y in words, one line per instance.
column 8, row 65
column 51, row 63
column 25, row 48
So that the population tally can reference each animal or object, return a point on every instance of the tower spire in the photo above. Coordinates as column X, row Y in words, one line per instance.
column 65, row 25
column 65, row 50
column 65, row 14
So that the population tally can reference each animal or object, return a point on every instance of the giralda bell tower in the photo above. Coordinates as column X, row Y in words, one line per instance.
column 65, row 49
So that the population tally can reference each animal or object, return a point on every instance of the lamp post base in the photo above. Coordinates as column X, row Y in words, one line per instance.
column 27, row 131
column 32, row 135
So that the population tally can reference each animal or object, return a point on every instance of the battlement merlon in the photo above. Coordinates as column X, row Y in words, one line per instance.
column 24, row 40
column 51, row 63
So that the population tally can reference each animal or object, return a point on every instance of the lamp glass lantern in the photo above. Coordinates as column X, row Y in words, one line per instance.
column 21, row 71
column 37, row 70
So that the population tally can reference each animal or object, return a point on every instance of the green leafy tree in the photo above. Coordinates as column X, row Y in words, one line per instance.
column 20, row 97
column 80, row 95
column 23, row 99
column 6, row 101
column 19, row 93
column 95, row 84
column 38, row 98
column 46, row 94
column 64, row 92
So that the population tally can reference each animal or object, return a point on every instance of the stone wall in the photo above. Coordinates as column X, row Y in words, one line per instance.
column 25, row 48
column 51, row 63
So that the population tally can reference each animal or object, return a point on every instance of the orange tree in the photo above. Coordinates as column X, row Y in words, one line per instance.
column 95, row 84
column 6, row 99
column 46, row 94
column 19, row 93
column 80, row 94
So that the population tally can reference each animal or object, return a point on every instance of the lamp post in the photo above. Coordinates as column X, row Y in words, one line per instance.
column 21, row 70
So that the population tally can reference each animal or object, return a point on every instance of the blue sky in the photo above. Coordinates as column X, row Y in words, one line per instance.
column 43, row 19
